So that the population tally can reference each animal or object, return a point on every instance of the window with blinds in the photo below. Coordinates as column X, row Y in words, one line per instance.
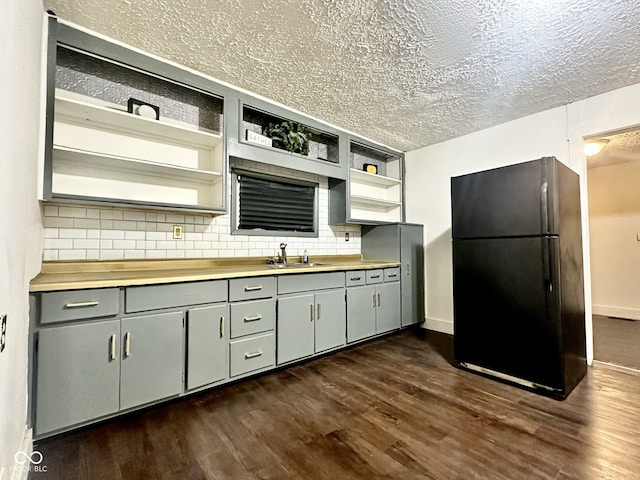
column 273, row 205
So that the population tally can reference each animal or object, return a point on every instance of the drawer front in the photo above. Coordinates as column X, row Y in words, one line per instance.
column 251, row 354
column 309, row 281
column 252, row 317
column 78, row 304
column 354, row 278
column 251, row 288
column 375, row 276
column 392, row 274
column 152, row 297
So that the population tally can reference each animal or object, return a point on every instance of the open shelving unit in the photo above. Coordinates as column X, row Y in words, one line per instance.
column 104, row 153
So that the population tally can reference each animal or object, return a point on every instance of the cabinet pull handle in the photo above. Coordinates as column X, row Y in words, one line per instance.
column 311, row 312
column 247, row 356
column 114, row 339
column 253, row 289
column 355, row 278
column 90, row 303
column 375, row 276
column 392, row 275
column 408, row 269
column 221, row 327
column 378, row 299
column 318, row 313
column 255, row 318
column 374, row 300
column 127, row 344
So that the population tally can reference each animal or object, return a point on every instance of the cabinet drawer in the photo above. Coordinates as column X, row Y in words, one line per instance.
column 152, row 297
column 254, row 353
column 355, row 278
column 309, row 281
column 252, row 317
column 375, row 276
column 392, row 274
column 77, row 304
column 251, row 288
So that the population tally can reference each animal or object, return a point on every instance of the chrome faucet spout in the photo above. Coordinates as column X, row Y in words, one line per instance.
column 283, row 255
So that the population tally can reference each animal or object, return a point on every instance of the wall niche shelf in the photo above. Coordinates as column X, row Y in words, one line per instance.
column 100, row 153
column 368, row 198
column 255, row 115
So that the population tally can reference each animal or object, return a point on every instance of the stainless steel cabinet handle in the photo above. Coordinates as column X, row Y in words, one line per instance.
column 90, row 303
column 127, row 344
column 253, row 289
column 318, row 313
column 408, row 269
column 374, row 300
column 252, row 355
column 375, row 276
column 355, row 278
column 311, row 310
column 221, row 327
column 392, row 275
column 378, row 299
column 255, row 318
column 114, row 339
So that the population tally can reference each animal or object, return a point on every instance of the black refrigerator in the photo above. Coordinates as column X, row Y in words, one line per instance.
column 518, row 291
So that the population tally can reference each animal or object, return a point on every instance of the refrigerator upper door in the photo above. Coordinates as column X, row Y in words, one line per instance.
column 511, row 201
column 506, row 314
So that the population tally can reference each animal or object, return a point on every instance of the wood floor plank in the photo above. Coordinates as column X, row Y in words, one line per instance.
column 393, row 408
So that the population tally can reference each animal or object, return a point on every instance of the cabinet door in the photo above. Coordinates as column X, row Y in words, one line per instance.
column 361, row 313
column 388, row 307
column 152, row 358
column 207, row 345
column 295, row 327
column 331, row 320
column 78, row 374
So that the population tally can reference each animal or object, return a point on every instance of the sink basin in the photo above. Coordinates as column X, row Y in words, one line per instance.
column 298, row 265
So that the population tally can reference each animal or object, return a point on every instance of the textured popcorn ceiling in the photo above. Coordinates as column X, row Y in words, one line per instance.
column 622, row 147
column 406, row 73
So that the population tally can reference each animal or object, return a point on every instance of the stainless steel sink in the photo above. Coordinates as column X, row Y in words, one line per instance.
column 298, row 265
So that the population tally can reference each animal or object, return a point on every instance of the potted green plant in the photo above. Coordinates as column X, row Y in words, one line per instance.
column 290, row 136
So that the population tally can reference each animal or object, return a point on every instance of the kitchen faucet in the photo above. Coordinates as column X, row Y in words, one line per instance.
column 283, row 255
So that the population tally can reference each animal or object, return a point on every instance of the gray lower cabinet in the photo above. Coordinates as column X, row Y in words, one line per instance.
column 375, row 307
column 152, row 358
column 207, row 345
column 310, row 323
column 78, row 374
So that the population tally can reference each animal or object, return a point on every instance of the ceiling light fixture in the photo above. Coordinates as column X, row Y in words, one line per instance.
column 593, row 147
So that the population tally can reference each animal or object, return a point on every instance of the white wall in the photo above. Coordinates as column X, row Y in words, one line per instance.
column 21, row 232
column 559, row 132
column 614, row 222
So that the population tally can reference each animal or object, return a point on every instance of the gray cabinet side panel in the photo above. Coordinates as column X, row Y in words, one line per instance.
column 331, row 320
column 295, row 327
column 412, row 270
column 207, row 344
column 153, row 368
column 361, row 313
column 76, row 378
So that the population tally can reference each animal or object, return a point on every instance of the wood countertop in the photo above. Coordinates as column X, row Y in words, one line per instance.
column 75, row 275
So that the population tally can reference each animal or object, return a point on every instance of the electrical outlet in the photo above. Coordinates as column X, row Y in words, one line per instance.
column 177, row 232
column 3, row 332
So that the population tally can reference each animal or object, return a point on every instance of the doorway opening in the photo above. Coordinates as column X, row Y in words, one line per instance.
column 613, row 179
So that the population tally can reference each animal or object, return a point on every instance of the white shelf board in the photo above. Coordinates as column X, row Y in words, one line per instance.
column 100, row 161
column 113, row 118
column 372, row 178
column 357, row 199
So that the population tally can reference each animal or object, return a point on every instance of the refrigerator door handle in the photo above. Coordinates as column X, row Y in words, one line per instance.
column 546, row 264
column 544, row 205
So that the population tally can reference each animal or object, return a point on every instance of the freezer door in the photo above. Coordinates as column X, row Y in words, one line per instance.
column 517, row 200
column 506, row 313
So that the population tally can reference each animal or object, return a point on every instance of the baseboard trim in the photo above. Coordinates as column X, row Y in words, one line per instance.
column 618, row 312
column 438, row 325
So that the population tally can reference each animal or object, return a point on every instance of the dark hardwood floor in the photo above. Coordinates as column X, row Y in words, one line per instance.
column 394, row 408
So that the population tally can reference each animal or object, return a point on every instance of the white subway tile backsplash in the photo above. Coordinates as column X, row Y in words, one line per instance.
column 73, row 212
column 72, row 255
column 86, row 223
column 112, row 234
